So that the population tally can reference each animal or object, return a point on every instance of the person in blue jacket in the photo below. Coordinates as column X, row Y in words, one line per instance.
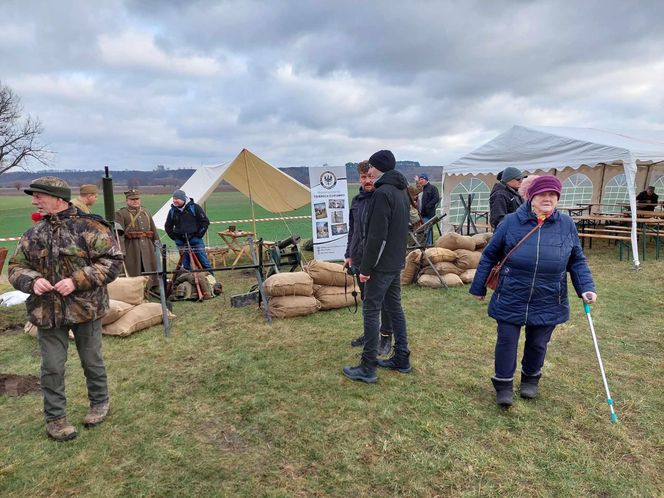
column 532, row 289
column 186, row 224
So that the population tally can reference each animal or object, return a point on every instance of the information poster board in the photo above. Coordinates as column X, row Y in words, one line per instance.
column 329, row 212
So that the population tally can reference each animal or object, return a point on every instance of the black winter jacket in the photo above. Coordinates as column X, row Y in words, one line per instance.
column 430, row 199
column 191, row 221
column 502, row 201
column 356, row 220
column 386, row 226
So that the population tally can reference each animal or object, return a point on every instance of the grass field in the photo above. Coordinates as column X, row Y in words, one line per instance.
column 229, row 406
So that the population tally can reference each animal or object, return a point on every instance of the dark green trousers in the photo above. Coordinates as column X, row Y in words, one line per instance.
column 53, row 344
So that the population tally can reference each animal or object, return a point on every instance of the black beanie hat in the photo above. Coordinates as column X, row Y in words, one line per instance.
column 383, row 160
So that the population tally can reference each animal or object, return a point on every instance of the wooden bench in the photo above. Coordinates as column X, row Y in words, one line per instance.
column 622, row 240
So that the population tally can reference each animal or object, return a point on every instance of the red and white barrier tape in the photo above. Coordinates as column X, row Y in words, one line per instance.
column 11, row 239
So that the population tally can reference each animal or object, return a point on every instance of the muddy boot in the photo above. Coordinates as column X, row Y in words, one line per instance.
column 365, row 371
column 399, row 361
column 504, row 394
column 97, row 414
column 529, row 387
column 385, row 343
column 359, row 341
column 61, row 430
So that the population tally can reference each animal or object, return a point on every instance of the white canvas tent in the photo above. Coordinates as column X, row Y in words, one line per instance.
column 261, row 182
column 545, row 148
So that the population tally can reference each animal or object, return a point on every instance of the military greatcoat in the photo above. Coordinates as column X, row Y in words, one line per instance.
column 140, row 233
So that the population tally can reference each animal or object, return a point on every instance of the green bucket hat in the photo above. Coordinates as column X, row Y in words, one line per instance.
column 50, row 185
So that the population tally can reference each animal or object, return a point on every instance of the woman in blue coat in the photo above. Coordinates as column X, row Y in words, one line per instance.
column 532, row 289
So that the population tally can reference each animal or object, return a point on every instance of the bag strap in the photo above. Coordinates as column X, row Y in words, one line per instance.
column 540, row 222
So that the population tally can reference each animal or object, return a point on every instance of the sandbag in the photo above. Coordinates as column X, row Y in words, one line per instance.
column 438, row 255
column 454, row 241
column 289, row 284
column 116, row 309
column 467, row 260
column 287, row 306
column 442, row 268
column 31, row 330
column 128, row 289
column 330, row 274
column 332, row 298
column 413, row 256
column 433, row 282
column 468, row 276
column 408, row 273
column 138, row 318
column 481, row 240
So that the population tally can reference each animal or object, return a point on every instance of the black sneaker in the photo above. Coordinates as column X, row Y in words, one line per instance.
column 358, row 341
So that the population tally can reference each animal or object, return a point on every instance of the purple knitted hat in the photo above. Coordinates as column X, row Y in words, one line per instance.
column 545, row 184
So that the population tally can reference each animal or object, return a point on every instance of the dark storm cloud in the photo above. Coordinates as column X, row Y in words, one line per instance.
column 141, row 83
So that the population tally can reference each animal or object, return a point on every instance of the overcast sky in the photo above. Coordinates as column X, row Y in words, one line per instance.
column 134, row 84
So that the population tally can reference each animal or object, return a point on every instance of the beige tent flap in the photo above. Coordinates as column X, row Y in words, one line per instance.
column 267, row 186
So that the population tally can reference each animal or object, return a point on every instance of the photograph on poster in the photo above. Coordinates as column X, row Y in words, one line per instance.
column 339, row 229
column 336, row 203
column 319, row 209
column 337, row 216
column 322, row 230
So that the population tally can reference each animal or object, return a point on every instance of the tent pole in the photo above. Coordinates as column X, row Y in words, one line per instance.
column 601, row 185
column 251, row 199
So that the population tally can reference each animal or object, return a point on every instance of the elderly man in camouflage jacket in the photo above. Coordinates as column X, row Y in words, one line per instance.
column 65, row 262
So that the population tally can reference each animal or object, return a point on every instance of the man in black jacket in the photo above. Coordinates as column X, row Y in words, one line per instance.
column 430, row 200
column 385, row 229
column 504, row 198
column 187, row 222
column 355, row 250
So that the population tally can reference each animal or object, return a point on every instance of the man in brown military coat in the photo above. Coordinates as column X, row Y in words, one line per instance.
column 86, row 198
column 140, row 233
column 64, row 261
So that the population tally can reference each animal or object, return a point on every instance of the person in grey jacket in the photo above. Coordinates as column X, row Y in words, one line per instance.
column 504, row 198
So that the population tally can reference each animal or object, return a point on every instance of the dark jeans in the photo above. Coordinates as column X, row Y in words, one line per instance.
column 537, row 339
column 198, row 247
column 385, row 320
column 53, row 344
column 383, row 290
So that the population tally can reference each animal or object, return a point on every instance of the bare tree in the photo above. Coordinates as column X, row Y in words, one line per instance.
column 18, row 184
column 134, row 182
column 19, row 136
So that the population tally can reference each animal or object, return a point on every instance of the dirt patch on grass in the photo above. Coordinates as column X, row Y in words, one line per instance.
column 19, row 385
column 11, row 330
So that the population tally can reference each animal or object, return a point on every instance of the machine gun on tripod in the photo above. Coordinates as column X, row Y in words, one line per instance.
column 418, row 237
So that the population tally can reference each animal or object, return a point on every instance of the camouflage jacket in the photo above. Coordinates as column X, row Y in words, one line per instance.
column 66, row 245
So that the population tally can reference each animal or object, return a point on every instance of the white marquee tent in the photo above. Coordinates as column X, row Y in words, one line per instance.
column 261, row 182
column 532, row 148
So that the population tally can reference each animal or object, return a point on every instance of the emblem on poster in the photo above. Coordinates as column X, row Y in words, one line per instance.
column 328, row 180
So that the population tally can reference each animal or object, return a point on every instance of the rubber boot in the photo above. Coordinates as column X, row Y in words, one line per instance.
column 385, row 343
column 399, row 361
column 529, row 386
column 504, row 392
column 365, row 371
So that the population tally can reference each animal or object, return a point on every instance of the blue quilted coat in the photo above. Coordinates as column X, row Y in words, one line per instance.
column 532, row 289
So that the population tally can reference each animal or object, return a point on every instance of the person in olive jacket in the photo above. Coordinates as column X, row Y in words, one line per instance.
column 383, row 258
column 532, row 289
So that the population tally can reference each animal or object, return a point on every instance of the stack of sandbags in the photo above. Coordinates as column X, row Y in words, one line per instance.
column 291, row 294
column 129, row 311
column 333, row 286
column 455, row 258
column 409, row 271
